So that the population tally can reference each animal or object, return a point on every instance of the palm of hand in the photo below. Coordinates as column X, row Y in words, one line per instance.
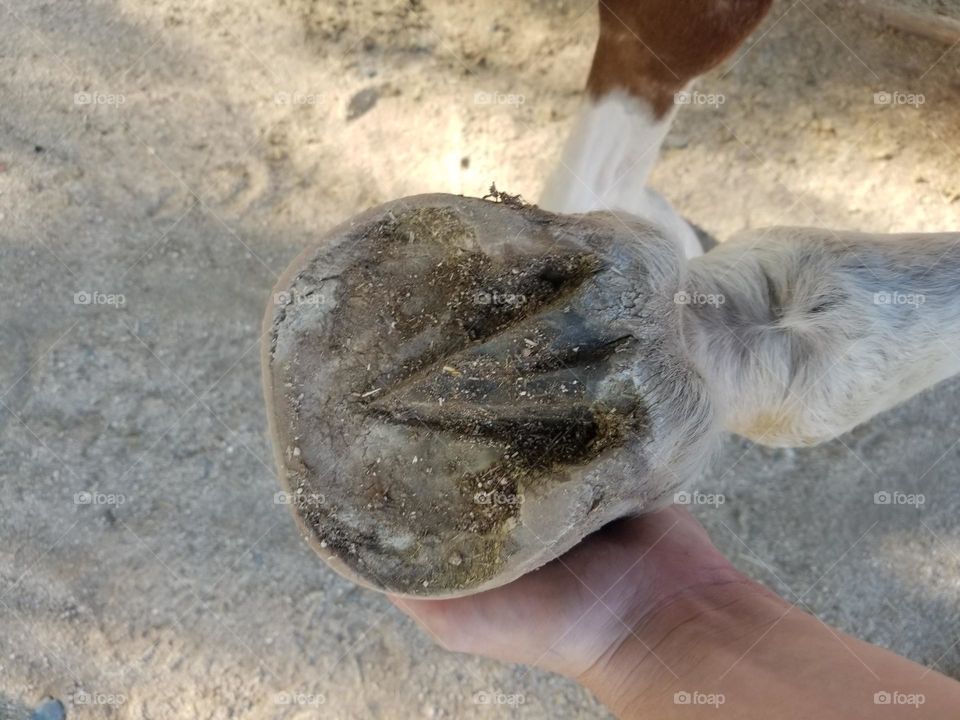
column 567, row 615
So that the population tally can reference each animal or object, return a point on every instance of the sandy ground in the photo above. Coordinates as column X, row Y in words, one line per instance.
column 180, row 153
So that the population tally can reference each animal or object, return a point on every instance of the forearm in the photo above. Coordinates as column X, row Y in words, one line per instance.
column 757, row 656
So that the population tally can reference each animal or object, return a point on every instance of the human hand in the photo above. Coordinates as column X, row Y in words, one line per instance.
column 575, row 611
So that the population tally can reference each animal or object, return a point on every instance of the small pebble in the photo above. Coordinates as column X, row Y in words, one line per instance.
column 49, row 709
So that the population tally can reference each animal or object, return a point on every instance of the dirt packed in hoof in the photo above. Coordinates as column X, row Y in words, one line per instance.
column 479, row 371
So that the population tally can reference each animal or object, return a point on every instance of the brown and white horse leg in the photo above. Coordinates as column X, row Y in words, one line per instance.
column 646, row 53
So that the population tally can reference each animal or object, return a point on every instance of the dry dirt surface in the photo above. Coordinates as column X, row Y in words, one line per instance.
column 160, row 164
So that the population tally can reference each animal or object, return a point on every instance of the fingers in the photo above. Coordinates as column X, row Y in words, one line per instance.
column 436, row 618
column 642, row 531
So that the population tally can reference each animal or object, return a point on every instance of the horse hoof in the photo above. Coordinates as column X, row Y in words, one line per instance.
column 460, row 390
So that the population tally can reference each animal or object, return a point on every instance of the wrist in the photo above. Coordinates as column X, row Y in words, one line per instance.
column 676, row 648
